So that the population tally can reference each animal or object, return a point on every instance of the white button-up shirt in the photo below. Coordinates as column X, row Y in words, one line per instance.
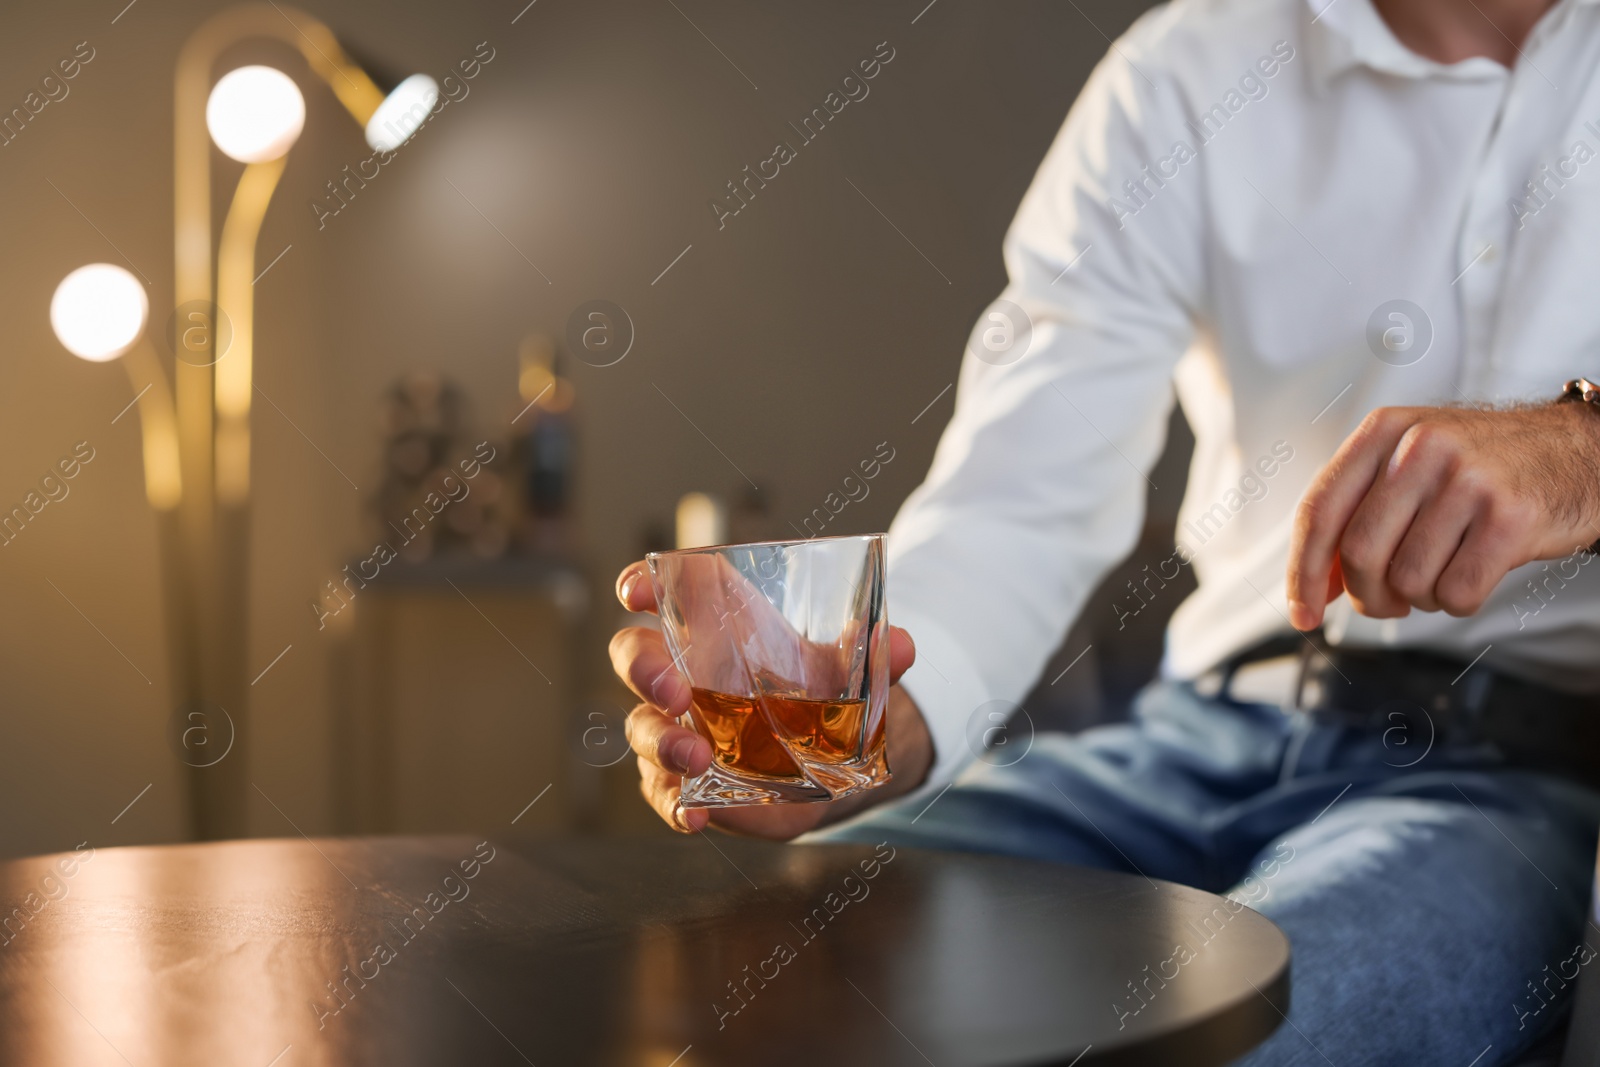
column 1276, row 212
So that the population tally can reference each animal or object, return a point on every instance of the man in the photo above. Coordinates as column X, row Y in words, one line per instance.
column 1360, row 237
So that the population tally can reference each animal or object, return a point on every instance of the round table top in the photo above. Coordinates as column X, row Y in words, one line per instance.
column 680, row 953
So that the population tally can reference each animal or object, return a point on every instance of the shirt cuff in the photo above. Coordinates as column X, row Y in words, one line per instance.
column 947, row 690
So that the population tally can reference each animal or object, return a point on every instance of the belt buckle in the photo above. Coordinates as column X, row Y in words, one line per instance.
column 1302, row 703
column 1454, row 713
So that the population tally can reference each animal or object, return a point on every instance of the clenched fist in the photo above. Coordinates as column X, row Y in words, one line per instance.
column 1431, row 507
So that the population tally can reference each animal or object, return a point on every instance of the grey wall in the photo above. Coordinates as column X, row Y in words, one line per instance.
column 796, row 338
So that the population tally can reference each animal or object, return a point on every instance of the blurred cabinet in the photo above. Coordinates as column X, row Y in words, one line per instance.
column 454, row 694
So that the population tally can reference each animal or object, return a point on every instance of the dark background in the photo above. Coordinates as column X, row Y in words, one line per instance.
column 827, row 317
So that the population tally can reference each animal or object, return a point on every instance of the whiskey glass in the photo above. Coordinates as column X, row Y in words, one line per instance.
column 785, row 646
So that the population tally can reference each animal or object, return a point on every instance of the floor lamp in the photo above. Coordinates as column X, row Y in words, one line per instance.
column 197, row 430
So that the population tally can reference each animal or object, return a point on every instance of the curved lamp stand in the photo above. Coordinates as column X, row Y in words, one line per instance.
column 163, row 478
column 197, row 433
column 213, row 391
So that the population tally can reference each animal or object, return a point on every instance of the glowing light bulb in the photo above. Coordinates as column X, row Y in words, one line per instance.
column 255, row 114
column 402, row 113
column 99, row 311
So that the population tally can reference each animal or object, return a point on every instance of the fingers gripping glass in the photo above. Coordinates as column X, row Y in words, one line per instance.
column 785, row 646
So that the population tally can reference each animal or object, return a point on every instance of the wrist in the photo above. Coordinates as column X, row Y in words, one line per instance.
column 1581, row 401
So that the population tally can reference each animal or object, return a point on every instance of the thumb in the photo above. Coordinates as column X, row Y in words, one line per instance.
column 635, row 589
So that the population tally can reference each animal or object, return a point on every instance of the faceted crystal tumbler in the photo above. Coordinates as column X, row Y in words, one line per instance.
column 785, row 645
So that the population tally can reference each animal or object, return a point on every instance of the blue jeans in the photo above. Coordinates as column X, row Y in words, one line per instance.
column 1423, row 898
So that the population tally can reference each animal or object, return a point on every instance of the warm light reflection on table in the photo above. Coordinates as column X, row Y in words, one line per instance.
column 672, row 954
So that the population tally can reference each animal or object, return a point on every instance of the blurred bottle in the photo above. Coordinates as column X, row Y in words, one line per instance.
column 544, row 448
column 422, row 416
column 750, row 519
column 427, row 505
column 654, row 536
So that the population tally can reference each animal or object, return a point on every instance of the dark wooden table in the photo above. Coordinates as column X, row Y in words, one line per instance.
column 682, row 953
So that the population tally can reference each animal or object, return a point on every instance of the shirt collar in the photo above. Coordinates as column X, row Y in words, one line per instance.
column 1342, row 34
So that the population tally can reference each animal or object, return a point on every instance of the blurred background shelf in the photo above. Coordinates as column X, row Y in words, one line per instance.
column 460, row 678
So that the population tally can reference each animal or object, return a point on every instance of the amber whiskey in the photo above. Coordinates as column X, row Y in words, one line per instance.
column 822, row 731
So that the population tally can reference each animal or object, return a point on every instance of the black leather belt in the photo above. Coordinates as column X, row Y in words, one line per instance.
column 1440, row 700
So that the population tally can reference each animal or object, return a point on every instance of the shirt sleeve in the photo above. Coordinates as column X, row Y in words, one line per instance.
column 1037, row 487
